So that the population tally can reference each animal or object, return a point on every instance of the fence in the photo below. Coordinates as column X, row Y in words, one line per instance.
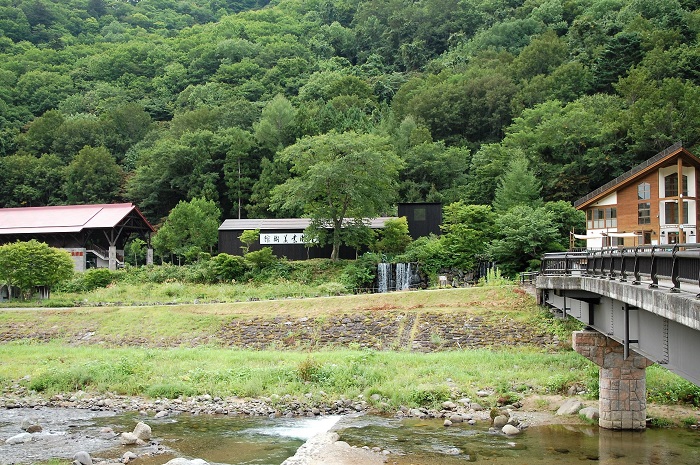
column 677, row 263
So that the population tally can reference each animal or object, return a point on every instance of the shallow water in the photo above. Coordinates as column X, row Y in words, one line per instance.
column 265, row 441
column 227, row 440
column 428, row 442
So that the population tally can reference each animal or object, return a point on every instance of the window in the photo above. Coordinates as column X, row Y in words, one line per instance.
column 611, row 217
column 671, row 213
column 644, row 213
column 601, row 218
column 644, row 191
column 419, row 214
column 671, row 185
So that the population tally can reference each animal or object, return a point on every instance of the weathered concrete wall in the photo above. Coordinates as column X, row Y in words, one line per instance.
column 622, row 382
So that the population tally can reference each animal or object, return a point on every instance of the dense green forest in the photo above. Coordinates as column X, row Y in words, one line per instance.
column 161, row 101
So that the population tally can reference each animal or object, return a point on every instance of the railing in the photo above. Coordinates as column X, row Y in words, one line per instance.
column 677, row 263
column 528, row 277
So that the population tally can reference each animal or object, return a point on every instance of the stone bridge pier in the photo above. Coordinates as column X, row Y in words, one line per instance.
column 622, row 399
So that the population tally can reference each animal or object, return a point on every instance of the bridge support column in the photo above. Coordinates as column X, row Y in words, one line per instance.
column 623, row 389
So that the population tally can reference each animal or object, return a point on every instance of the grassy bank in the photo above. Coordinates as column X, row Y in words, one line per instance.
column 171, row 351
column 402, row 378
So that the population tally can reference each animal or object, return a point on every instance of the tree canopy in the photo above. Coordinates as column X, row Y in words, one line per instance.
column 27, row 265
column 162, row 101
column 338, row 178
column 190, row 229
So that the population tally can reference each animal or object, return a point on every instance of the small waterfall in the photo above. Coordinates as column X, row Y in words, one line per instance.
column 403, row 276
column 383, row 276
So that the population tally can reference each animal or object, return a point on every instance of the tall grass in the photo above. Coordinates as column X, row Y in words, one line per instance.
column 402, row 378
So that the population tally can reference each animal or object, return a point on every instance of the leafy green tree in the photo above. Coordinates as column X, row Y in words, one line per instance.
column 467, row 230
column 43, row 90
column 26, row 180
column 339, row 176
column 567, row 219
column 26, row 265
column 190, row 229
column 517, row 186
column 357, row 236
column 41, row 132
column 93, row 177
column 434, row 173
column 521, row 236
column 275, row 128
column 241, row 168
column 573, row 148
column 135, row 252
column 394, row 237
column 249, row 237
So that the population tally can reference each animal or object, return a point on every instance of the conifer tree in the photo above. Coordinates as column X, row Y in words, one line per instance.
column 517, row 186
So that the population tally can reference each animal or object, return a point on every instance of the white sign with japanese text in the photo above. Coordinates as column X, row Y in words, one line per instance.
column 282, row 238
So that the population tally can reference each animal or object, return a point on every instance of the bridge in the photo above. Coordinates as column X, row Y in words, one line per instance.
column 641, row 306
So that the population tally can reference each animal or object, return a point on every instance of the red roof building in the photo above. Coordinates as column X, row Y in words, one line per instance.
column 95, row 235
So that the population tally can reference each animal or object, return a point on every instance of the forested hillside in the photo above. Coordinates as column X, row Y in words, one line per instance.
column 158, row 101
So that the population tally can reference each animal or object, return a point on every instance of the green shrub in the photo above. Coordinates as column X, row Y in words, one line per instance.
column 260, row 259
column 428, row 252
column 89, row 280
column 308, row 369
column 332, row 288
column 430, row 395
column 229, row 268
column 357, row 276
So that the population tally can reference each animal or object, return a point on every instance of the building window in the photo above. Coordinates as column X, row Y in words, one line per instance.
column 644, row 191
column 601, row 218
column 671, row 185
column 420, row 214
column 671, row 213
column 644, row 213
column 611, row 217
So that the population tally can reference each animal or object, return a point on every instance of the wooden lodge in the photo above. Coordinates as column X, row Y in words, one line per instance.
column 654, row 203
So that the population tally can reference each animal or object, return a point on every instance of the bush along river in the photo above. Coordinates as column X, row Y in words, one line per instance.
column 417, row 437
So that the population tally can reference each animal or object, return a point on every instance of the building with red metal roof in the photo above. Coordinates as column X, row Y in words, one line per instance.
column 95, row 235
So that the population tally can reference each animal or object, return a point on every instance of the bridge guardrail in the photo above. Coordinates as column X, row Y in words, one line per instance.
column 678, row 263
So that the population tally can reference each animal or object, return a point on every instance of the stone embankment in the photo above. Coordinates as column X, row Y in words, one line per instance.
column 384, row 329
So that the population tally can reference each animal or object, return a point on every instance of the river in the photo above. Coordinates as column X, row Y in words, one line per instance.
column 269, row 441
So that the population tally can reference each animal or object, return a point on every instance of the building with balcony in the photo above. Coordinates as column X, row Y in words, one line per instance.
column 654, row 203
